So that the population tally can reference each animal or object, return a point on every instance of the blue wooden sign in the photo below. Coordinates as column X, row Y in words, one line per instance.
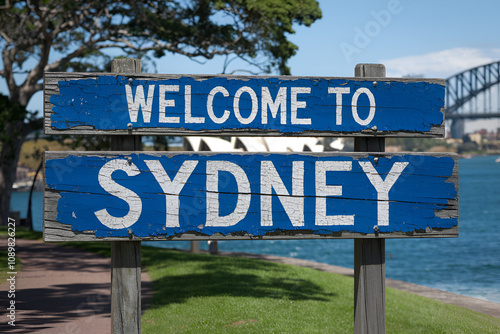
column 87, row 103
column 147, row 196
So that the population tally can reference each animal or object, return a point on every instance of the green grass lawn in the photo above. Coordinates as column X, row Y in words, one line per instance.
column 202, row 293
column 214, row 294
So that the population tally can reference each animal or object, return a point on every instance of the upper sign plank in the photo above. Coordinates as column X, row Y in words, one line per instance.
column 146, row 104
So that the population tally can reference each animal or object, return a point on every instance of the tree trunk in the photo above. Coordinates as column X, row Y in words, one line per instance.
column 29, row 217
column 9, row 157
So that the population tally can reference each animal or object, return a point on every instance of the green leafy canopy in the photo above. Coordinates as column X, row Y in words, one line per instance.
column 38, row 36
column 254, row 30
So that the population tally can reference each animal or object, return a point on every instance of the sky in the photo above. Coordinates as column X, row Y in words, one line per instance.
column 424, row 38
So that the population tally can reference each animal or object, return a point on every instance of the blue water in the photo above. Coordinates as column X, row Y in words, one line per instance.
column 467, row 265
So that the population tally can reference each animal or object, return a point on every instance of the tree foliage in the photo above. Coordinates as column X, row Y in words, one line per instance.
column 38, row 36
column 78, row 32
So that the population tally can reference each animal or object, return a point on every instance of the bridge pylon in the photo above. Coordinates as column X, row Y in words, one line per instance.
column 457, row 128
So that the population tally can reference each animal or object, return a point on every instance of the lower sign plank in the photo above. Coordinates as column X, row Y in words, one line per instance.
column 195, row 196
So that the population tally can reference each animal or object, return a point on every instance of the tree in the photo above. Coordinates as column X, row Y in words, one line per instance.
column 59, row 35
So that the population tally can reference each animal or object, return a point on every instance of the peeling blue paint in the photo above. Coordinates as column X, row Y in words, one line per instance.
column 101, row 103
column 419, row 193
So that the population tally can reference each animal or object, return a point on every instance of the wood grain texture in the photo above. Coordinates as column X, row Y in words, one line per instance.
column 427, row 188
column 369, row 254
column 91, row 103
column 126, row 287
column 126, row 256
column 369, row 286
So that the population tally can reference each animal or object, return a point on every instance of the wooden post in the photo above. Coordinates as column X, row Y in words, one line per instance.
column 369, row 254
column 195, row 247
column 126, row 255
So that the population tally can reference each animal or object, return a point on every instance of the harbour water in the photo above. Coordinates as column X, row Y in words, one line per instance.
column 467, row 265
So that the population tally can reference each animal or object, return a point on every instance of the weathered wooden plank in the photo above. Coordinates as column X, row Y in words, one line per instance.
column 216, row 196
column 149, row 104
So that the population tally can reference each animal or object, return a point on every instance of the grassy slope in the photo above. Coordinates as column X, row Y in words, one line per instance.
column 212, row 294
column 29, row 147
column 202, row 293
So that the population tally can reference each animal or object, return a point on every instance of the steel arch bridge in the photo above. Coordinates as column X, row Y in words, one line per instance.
column 471, row 95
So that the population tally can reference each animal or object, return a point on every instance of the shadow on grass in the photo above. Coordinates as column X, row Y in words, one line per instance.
column 186, row 275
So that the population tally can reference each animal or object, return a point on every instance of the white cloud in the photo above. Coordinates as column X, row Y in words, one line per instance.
column 441, row 64
column 495, row 53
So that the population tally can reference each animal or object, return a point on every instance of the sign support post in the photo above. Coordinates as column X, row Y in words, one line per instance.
column 369, row 254
column 126, row 255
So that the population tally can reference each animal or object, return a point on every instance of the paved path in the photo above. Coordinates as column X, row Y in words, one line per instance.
column 62, row 290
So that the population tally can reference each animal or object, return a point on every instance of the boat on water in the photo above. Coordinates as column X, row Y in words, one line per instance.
column 497, row 160
column 22, row 185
